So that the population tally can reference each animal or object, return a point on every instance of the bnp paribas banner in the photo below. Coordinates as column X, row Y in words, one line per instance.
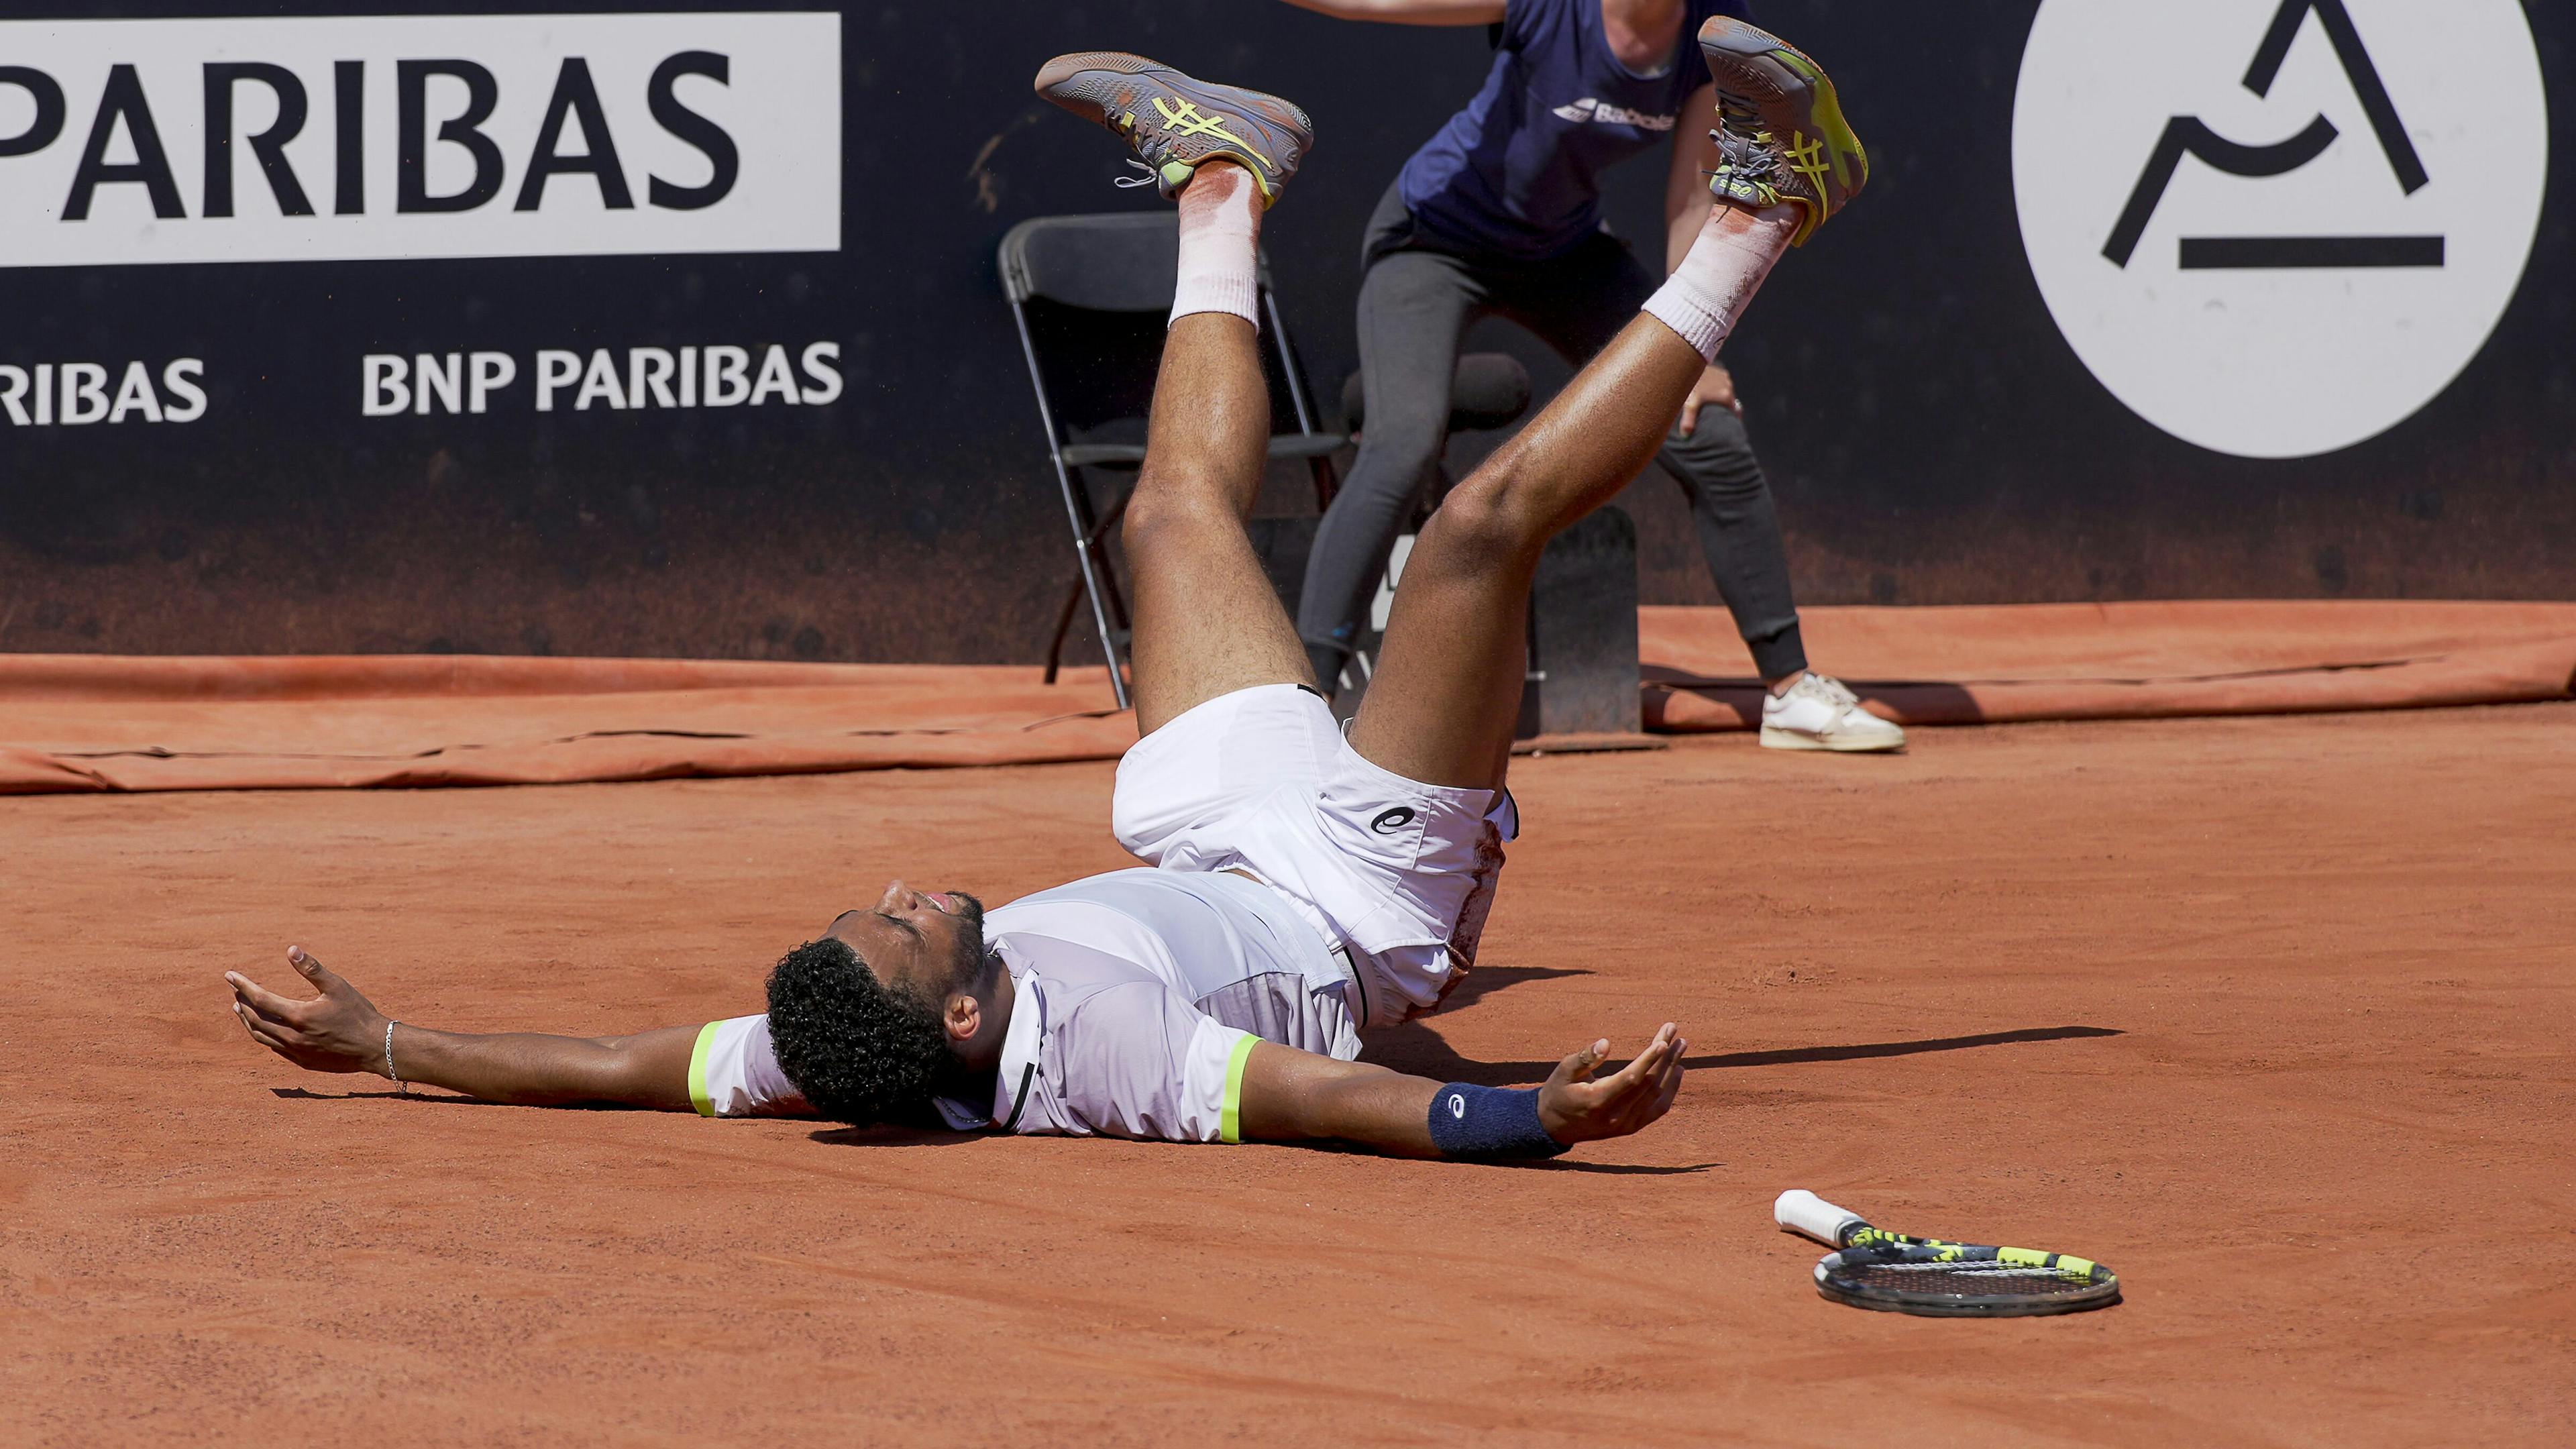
column 550, row 329
column 265, row 141
column 284, row 140
column 673, row 326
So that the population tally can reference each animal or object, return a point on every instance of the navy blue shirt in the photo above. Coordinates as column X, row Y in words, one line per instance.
column 1517, row 174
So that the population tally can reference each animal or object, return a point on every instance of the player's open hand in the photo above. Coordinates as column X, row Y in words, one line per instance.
column 336, row 1031
column 1575, row 1108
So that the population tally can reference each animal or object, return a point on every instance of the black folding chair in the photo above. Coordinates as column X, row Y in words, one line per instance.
column 1090, row 294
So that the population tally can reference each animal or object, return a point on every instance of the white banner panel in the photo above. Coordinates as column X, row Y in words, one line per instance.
column 2293, row 233
column 359, row 137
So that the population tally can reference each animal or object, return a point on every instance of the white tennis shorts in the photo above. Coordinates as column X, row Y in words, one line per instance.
column 1396, row 875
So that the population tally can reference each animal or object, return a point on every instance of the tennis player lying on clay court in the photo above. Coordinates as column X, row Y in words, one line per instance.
column 1304, row 887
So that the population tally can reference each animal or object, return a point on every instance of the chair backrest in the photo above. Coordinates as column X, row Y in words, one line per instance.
column 1091, row 293
column 1125, row 261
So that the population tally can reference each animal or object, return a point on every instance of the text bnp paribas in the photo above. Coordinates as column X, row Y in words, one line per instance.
column 265, row 140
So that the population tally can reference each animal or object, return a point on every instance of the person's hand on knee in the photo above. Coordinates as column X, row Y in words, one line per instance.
column 1715, row 388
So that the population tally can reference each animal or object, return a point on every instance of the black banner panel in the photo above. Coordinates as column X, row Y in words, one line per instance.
column 677, row 331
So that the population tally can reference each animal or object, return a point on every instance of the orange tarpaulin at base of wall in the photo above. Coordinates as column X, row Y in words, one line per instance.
column 70, row 722
column 1994, row 664
column 105, row 723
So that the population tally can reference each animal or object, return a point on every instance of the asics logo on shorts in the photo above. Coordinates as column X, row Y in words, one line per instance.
column 1390, row 821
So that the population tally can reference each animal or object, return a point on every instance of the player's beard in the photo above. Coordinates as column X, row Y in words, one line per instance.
column 966, row 967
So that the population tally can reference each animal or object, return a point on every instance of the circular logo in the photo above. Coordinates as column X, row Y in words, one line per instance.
column 1390, row 821
column 2276, row 228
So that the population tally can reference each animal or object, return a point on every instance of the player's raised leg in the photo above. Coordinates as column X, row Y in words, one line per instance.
column 1446, row 694
column 1207, row 621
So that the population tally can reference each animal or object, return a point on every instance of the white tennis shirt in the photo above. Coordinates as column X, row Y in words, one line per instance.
column 1139, row 995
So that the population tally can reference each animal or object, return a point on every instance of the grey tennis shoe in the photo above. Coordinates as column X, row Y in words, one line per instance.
column 1781, row 134
column 1176, row 123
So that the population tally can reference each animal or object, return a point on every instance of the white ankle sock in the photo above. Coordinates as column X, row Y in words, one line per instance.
column 1220, row 229
column 1720, row 274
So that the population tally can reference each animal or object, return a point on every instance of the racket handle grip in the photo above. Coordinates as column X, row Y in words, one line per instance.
column 1801, row 1211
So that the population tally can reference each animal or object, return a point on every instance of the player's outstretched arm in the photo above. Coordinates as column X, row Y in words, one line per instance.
column 1289, row 1096
column 339, row 1030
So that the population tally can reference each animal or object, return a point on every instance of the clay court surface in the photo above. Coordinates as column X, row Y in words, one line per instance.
column 2272, row 1014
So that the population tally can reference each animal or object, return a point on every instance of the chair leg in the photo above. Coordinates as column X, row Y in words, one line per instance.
column 1123, row 628
column 1104, row 597
column 1108, row 575
column 1108, row 605
column 1094, row 580
column 1063, row 627
column 1073, row 596
column 1097, row 580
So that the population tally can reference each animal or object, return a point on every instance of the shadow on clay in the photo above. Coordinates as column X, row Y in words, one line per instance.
column 886, row 1134
column 434, row 1095
column 1611, row 1169
column 1900, row 1048
column 1416, row 1048
column 1485, row 980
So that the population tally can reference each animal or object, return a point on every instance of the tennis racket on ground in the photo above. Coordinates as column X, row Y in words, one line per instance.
column 1874, row 1268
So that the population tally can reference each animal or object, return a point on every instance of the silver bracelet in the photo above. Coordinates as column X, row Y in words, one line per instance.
column 389, row 1057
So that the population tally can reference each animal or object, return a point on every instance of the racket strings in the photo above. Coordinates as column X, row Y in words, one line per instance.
column 1965, row 1277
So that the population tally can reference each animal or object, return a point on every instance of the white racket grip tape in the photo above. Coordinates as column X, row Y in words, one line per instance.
column 1801, row 1211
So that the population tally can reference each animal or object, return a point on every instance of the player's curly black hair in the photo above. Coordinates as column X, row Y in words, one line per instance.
column 858, row 1051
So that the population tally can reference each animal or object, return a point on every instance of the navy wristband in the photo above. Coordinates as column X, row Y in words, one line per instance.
column 1468, row 1121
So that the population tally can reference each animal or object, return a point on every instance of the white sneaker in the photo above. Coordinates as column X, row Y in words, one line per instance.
column 1819, row 713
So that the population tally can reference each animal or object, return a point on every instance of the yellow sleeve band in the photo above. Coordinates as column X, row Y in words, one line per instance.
column 698, row 1097
column 1230, row 1121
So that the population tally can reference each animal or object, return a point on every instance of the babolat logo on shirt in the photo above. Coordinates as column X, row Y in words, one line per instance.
column 1606, row 114
column 358, row 137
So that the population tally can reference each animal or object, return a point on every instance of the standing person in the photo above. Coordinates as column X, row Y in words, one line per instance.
column 1500, row 214
column 1307, row 885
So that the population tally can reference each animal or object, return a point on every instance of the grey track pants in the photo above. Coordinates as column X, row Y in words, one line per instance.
column 1415, row 305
